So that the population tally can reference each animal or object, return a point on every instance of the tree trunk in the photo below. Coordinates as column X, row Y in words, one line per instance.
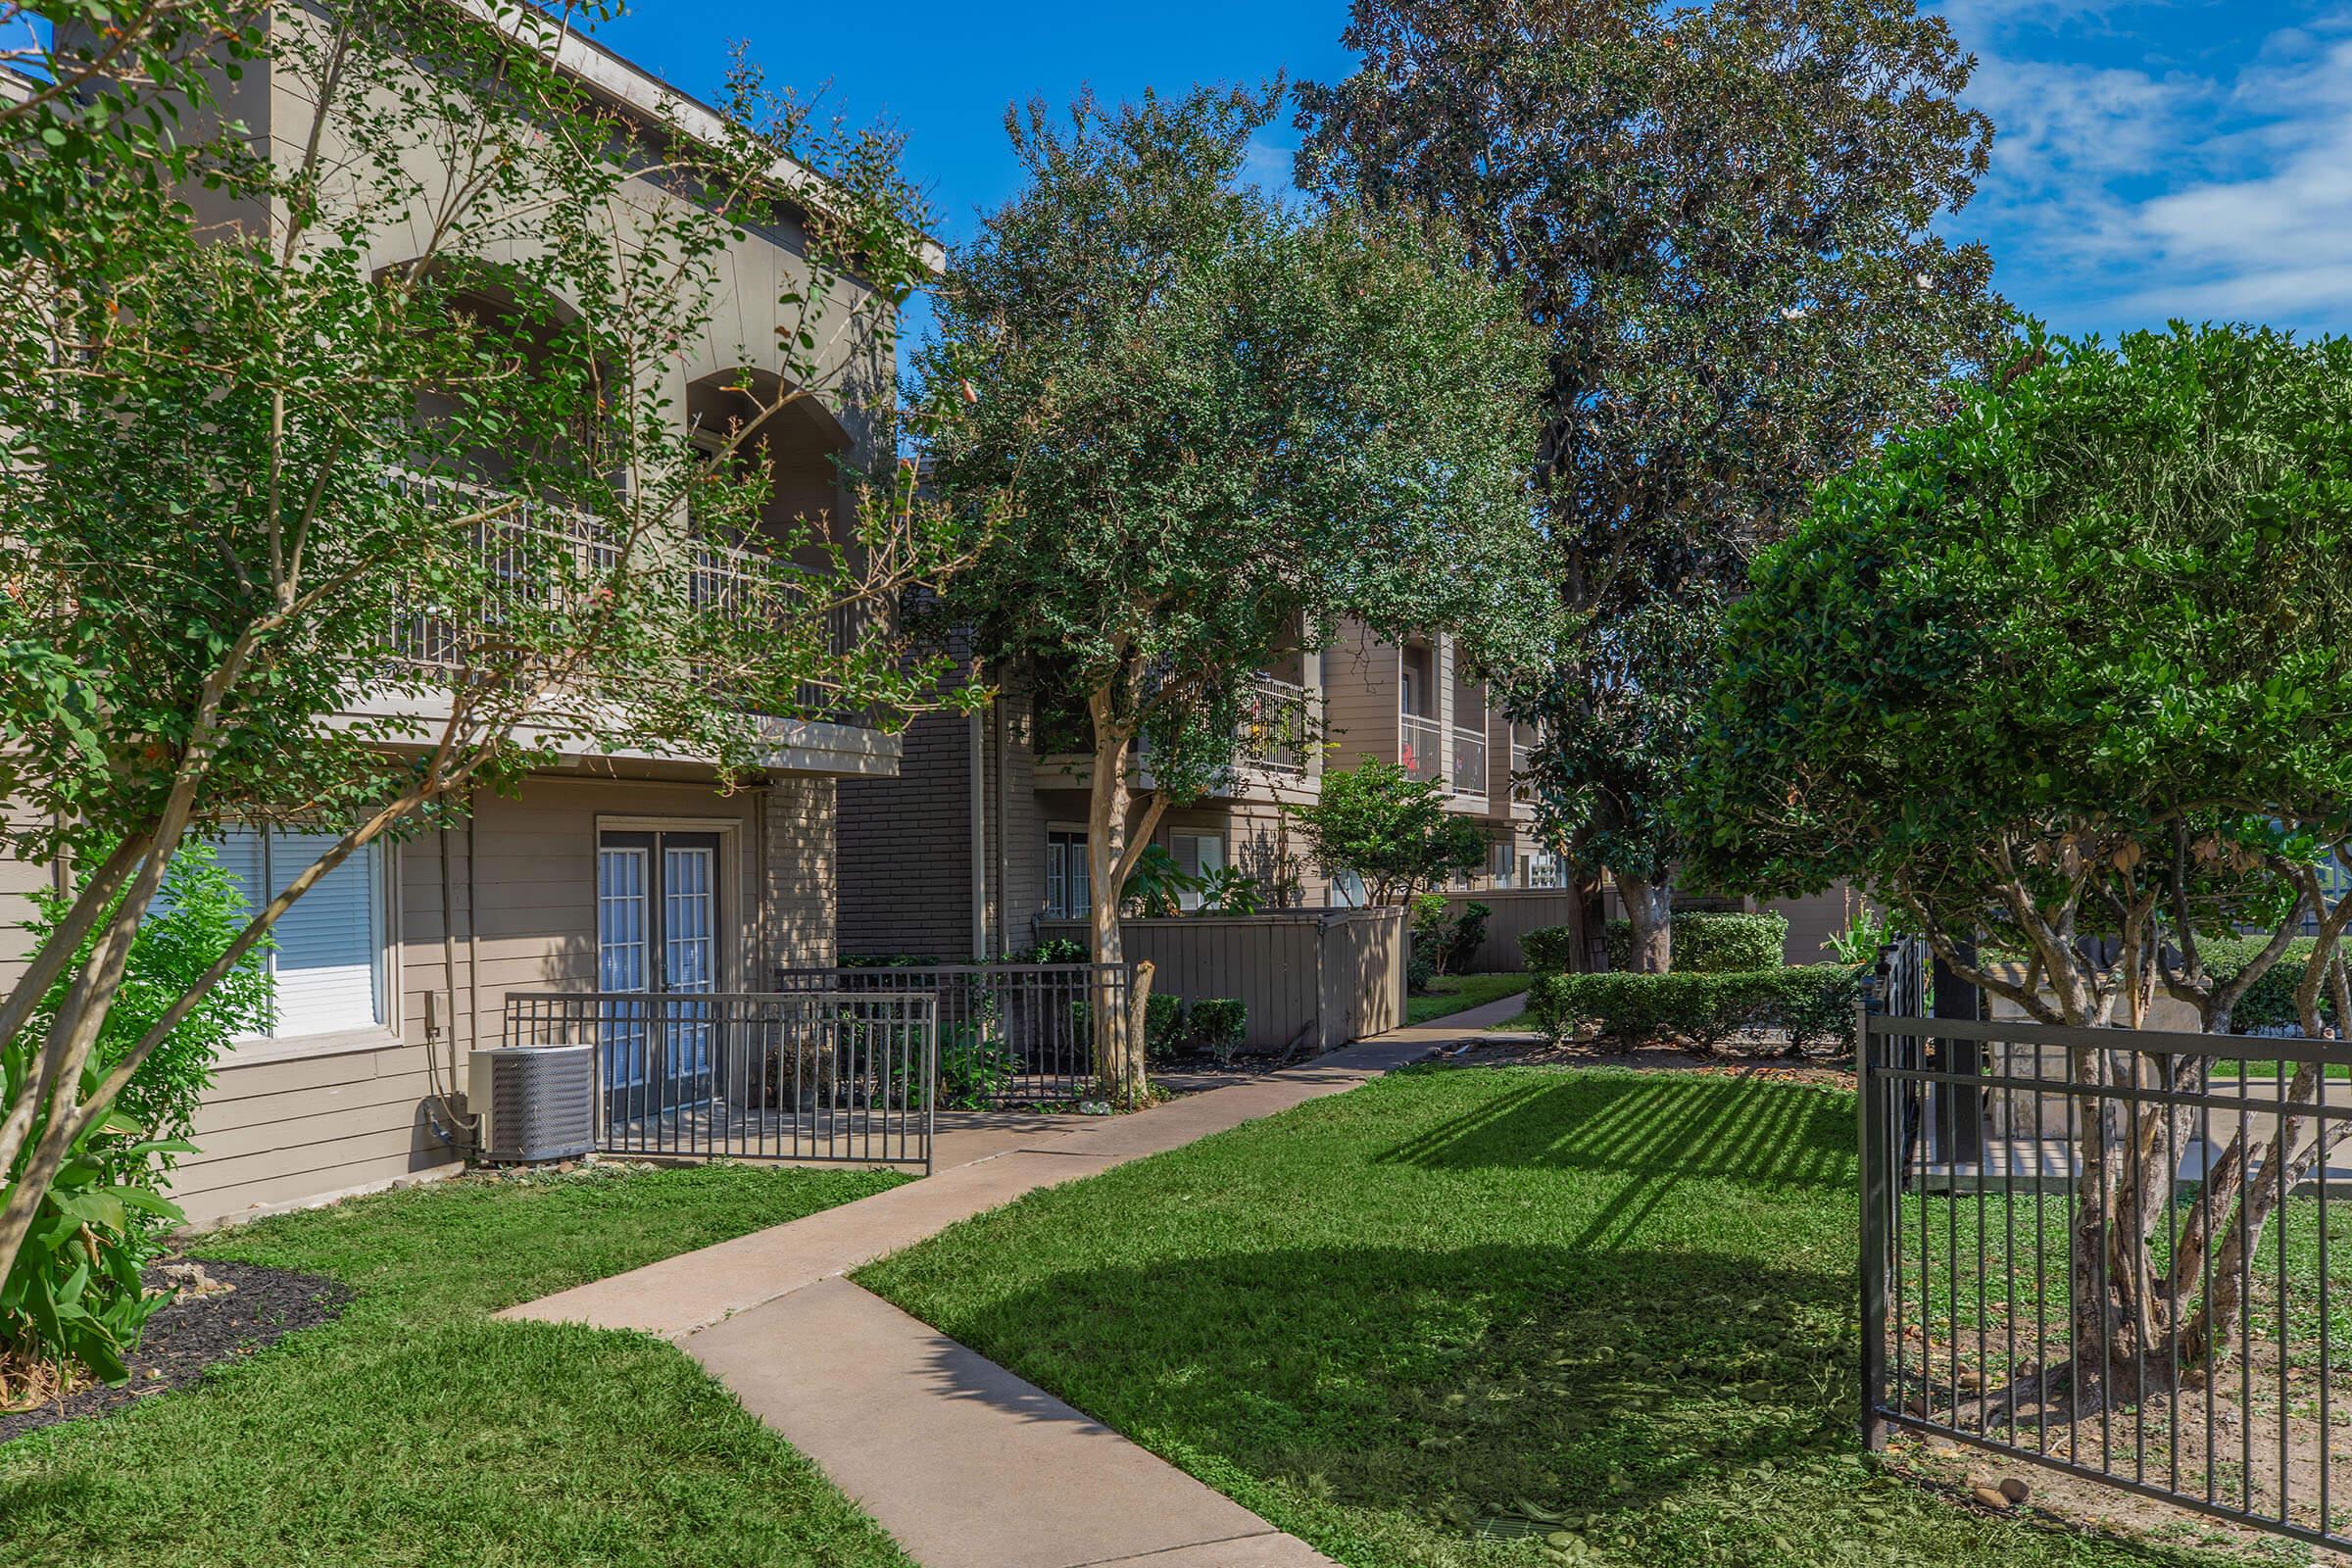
column 1110, row 853
column 1650, row 908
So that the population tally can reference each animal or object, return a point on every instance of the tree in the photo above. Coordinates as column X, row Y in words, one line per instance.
column 368, row 488
column 2071, row 670
column 1389, row 829
column 1222, row 425
column 1720, row 218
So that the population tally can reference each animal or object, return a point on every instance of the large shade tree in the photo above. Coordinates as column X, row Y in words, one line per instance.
column 366, row 488
column 1720, row 218
column 1222, row 423
column 2072, row 671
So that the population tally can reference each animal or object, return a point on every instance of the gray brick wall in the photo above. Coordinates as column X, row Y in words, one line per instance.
column 905, row 849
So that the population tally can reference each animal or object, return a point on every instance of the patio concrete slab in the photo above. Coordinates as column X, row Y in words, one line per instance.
column 963, row 1463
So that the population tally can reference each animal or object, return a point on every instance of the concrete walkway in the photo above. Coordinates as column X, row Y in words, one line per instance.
column 963, row 1463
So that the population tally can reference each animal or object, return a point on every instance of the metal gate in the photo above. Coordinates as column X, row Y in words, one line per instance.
column 1010, row 1034
column 817, row 1075
column 2113, row 1253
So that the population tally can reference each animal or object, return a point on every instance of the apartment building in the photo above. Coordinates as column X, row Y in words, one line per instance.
column 980, row 838
column 602, row 873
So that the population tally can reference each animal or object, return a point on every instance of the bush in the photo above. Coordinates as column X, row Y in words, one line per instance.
column 1054, row 950
column 75, row 1294
column 1469, row 935
column 2270, row 1002
column 974, row 1069
column 1710, row 942
column 1218, row 1025
column 1164, row 1026
column 1548, row 950
column 1812, row 1001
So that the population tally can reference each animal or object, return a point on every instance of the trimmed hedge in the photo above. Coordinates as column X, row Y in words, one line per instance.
column 2270, row 1002
column 1710, row 942
column 1812, row 1001
column 1218, row 1024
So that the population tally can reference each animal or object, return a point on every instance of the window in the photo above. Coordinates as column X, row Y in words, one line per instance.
column 1347, row 888
column 1505, row 862
column 1066, row 876
column 1199, row 855
column 330, row 963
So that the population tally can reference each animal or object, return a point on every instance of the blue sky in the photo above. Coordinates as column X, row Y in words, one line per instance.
column 2190, row 158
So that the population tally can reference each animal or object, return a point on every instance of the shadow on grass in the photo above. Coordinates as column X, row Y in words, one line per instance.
column 1430, row 1381
column 1652, row 1135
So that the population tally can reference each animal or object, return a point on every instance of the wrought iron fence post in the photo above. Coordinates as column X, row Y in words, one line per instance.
column 1869, row 1136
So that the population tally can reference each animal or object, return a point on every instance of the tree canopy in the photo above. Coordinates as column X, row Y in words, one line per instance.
column 1721, row 221
column 1392, row 831
column 1223, row 422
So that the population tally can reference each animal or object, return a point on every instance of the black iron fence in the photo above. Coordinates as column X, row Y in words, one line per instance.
column 1009, row 1033
column 813, row 1075
column 2114, row 1253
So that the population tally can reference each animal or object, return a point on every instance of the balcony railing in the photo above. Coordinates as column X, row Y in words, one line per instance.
column 535, row 553
column 1421, row 749
column 1276, row 728
column 1469, row 762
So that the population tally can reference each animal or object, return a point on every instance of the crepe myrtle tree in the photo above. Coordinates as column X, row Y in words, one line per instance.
column 376, row 495
column 1720, row 218
column 2071, row 670
column 1222, row 422
column 1392, row 831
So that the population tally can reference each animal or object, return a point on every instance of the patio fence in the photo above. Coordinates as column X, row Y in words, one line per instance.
column 1009, row 1033
column 2203, row 1375
column 816, row 1075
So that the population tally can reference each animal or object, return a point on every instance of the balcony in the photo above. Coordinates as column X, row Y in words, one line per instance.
column 535, row 554
column 1277, row 727
column 1469, row 763
column 1421, row 748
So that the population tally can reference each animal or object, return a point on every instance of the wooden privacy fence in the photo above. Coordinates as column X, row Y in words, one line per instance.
column 1516, row 912
column 1311, row 979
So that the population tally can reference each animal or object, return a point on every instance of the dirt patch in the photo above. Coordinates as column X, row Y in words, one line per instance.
column 204, row 1328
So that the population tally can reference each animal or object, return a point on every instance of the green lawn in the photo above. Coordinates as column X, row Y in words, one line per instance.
column 415, row 1429
column 1416, row 1322
column 1453, row 992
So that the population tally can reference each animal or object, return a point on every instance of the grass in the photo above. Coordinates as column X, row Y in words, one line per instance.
column 1455, row 993
column 416, row 1430
column 1438, row 1319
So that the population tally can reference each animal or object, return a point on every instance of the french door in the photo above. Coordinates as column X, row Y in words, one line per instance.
column 657, row 933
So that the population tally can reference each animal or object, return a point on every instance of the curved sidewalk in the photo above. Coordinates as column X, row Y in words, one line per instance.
column 965, row 1465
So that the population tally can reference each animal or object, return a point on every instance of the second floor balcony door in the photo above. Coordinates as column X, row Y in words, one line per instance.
column 658, row 933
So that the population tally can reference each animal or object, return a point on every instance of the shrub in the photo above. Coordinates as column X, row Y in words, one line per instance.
column 1218, row 1025
column 1164, row 1026
column 2269, row 1001
column 1548, row 950
column 1469, row 935
column 74, row 1294
column 1054, row 950
column 1710, row 942
column 974, row 1069
column 1811, row 1002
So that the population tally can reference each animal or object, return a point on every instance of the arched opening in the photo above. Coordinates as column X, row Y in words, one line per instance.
column 793, row 444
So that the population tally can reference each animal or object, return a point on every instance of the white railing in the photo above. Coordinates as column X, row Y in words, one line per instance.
column 1469, row 762
column 1421, row 748
column 535, row 555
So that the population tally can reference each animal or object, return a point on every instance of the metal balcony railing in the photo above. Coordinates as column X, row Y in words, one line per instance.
column 1276, row 728
column 536, row 553
column 1469, row 762
column 1421, row 748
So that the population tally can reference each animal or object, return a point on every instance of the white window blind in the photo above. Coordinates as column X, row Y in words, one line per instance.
column 1197, row 854
column 1066, row 876
column 328, row 966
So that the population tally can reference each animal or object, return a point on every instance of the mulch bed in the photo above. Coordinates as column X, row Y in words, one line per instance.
column 197, row 1332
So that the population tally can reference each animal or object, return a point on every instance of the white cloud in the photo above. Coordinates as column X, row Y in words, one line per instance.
column 2123, row 195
